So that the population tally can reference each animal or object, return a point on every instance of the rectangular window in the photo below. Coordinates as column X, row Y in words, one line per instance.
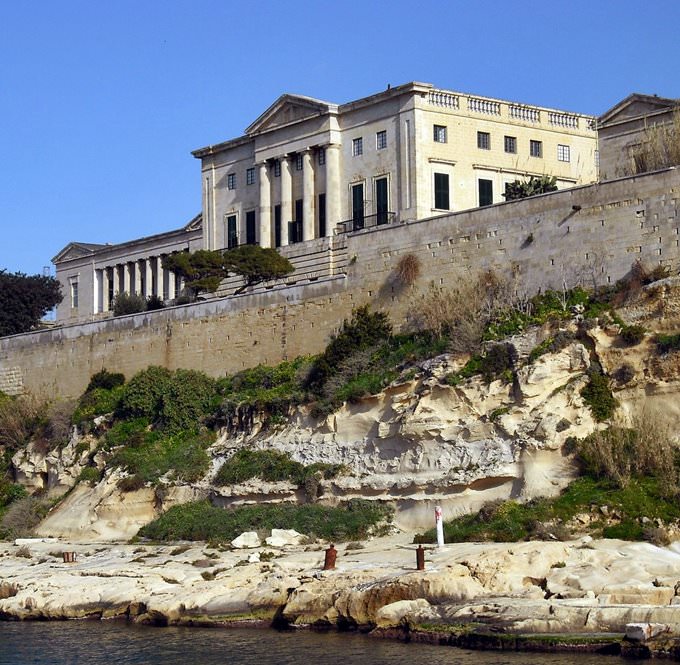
column 250, row 176
column 277, row 168
column 484, row 140
column 322, row 156
column 485, row 192
column 381, row 140
column 439, row 134
column 536, row 148
column 232, row 232
column 358, row 206
column 277, row 225
column 322, row 215
column 231, row 181
column 110, row 273
column 295, row 229
column 298, row 162
column 250, row 228
column 357, row 147
column 441, row 191
column 510, row 144
column 381, row 201
column 74, row 294
column 563, row 153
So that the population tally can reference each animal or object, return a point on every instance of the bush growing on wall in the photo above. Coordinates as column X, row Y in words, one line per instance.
column 142, row 395
column 363, row 330
column 128, row 303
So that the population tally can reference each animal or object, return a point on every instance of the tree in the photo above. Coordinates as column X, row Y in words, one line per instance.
column 24, row 300
column 522, row 189
column 203, row 270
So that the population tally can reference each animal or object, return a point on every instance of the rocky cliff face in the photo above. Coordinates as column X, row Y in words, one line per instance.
column 418, row 444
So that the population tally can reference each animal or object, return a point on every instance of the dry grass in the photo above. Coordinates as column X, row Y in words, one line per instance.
column 407, row 269
column 19, row 419
column 646, row 448
column 659, row 149
column 461, row 312
column 23, row 516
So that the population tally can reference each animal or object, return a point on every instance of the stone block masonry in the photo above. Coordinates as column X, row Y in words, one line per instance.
column 589, row 235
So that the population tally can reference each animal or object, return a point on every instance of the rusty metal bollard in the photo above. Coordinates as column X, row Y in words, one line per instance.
column 331, row 555
column 69, row 557
column 420, row 558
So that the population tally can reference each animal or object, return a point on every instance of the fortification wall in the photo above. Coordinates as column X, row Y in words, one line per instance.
column 589, row 234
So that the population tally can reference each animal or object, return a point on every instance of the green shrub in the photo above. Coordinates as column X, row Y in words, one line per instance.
column 270, row 465
column 551, row 345
column 189, row 396
column 130, row 433
column 105, row 380
column 668, row 343
column 498, row 363
column 143, row 394
column 598, row 396
column 155, row 302
column 10, row 492
column 202, row 521
column 90, row 475
column 510, row 521
column 97, row 402
column 128, row 303
column 365, row 329
column 150, row 456
column 131, row 483
column 633, row 335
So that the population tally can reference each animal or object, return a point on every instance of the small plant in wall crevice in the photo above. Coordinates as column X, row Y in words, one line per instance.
column 407, row 270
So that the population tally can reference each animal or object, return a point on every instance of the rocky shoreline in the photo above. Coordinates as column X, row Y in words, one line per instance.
column 582, row 595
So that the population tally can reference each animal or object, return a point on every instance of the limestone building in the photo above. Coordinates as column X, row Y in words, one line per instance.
column 308, row 169
column 91, row 275
column 624, row 128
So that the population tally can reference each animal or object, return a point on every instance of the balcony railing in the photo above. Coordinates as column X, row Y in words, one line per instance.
column 360, row 222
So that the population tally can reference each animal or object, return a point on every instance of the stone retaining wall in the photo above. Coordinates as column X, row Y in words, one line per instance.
column 591, row 235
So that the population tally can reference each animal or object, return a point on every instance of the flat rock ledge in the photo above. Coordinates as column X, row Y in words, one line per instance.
column 604, row 596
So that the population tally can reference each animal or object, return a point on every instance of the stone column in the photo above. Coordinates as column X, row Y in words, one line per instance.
column 116, row 272
column 171, row 285
column 136, row 277
column 333, row 193
column 265, row 210
column 159, row 277
column 106, row 305
column 148, row 278
column 307, row 195
column 126, row 277
column 286, row 198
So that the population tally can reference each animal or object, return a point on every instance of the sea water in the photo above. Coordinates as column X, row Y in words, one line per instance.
column 113, row 643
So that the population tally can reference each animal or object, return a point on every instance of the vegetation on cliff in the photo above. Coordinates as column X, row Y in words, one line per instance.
column 158, row 427
column 203, row 521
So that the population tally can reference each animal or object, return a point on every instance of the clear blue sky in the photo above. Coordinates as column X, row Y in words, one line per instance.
column 102, row 102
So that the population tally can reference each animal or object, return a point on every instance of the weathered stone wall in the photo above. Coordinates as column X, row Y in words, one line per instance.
column 590, row 234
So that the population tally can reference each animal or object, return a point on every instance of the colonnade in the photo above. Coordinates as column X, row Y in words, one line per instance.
column 145, row 277
column 273, row 193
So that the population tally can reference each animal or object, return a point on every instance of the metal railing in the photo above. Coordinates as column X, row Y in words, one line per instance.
column 359, row 222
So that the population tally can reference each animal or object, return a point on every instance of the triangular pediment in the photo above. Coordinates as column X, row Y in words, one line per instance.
column 77, row 250
column 289, row 109
column 636, row 106
column 196, row 224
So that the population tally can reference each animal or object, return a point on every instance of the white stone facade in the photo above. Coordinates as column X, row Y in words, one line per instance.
column 307, row 168
column 92, row 275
